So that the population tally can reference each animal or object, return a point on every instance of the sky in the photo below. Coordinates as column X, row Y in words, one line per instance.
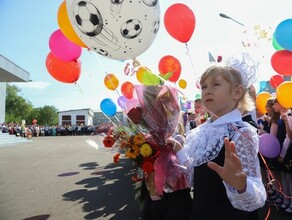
column 26, row 27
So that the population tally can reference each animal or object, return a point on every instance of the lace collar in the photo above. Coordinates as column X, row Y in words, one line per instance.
column 205, row 142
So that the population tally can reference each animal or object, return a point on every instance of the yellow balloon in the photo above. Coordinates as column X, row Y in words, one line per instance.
column 66, row 26
column 182, row 83
column 140, row 73
column 283, row 94
column 261, row 100
column 111, row 81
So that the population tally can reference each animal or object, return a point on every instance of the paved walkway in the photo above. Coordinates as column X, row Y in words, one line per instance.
column 60, row 178
column 67, row 178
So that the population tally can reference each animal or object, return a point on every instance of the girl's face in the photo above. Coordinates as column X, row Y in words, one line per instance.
column 269, row 110
column 218, row 96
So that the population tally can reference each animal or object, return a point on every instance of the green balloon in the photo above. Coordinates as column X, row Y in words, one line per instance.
column 275, row 43
column 198, row 96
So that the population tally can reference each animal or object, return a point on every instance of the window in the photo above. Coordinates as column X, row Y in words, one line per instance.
column 80, row 119
column 66, row 119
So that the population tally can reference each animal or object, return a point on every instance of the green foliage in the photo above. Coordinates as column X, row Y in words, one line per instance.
column 18, row 109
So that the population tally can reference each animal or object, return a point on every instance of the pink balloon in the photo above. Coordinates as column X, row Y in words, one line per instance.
column 62, row 48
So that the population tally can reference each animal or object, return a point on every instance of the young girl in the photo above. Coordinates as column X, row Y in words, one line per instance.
column 223, row 152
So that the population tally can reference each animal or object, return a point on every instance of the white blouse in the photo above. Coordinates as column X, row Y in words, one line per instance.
column 204, row 143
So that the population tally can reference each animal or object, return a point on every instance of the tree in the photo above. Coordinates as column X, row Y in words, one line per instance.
column 48, row 115
column 17, row 109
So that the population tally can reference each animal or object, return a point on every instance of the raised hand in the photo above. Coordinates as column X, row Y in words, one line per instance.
column 231, row 172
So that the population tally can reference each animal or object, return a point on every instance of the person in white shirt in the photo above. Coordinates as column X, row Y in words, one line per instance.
column 222, row 153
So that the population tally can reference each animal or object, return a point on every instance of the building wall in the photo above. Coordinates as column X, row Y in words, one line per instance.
column 2, row 102
column 91, row 118
column 88, row 113
column 99, row 118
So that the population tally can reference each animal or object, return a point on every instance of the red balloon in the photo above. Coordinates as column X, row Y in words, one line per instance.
column 276, row 80
column 180, row 22
column 66, row 72
column 127, row 89
column 170, row 64
column 281, row 62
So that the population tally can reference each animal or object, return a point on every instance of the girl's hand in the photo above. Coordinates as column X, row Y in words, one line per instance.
column 231, row 172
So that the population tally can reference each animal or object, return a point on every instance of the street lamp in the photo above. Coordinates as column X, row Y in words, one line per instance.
column 227, row 17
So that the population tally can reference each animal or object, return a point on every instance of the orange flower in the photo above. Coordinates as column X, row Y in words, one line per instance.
column 147, row 167
column 108, row 141
column 139, row 139
column 116, row 158
column 132, row 153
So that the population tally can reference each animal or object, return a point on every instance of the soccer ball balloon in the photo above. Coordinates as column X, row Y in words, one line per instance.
column 116, row 29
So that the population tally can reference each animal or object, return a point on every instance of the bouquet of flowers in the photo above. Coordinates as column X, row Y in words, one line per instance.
column 144, row 139
column 135, row 143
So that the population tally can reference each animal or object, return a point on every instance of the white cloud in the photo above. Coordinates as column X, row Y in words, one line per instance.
column 33, row 85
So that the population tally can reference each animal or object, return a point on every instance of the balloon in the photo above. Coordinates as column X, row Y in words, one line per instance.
column 127, row 90
column 108, row 107
column 283, row 94
column 276, row 80
column 263, row 84
column 269, row 145
column 122, row 102
column 150, row 78
column 62, row 48
column 281, row 62
column 66, row 72
column 66, row 27
column 118, row 30
column 182, row 83
column 198, row 96
column 179, row 21
column 140, row 72
column 261, row 101
column 276, row 44
column 111, row 81
column 170, row 64
column 283, row 34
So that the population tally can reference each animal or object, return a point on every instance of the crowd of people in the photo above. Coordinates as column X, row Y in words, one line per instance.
column 36, row 130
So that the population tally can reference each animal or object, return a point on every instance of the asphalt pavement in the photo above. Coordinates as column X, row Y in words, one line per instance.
column 69, row 178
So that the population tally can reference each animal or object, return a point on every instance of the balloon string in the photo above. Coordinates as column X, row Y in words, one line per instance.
column 79, row 88
column 106, row 73
column 109, row 119
column 189, row 56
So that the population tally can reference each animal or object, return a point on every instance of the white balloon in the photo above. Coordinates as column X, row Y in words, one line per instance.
column 116, row 29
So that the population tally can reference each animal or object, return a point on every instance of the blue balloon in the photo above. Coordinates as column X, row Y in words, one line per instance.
column 263, row 84
column 108, row 107
column 283, row 34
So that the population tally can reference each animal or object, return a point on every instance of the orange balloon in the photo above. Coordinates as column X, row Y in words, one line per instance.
column 111, row 81
column 182, row 83
column 283, row 94
column 140, row 73
column 66, row 72
column 66, row 26
column 127, row 89
column 261, row 100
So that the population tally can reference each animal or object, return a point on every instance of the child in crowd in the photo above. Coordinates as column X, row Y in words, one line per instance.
column 284, row 135
column 223, row 152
